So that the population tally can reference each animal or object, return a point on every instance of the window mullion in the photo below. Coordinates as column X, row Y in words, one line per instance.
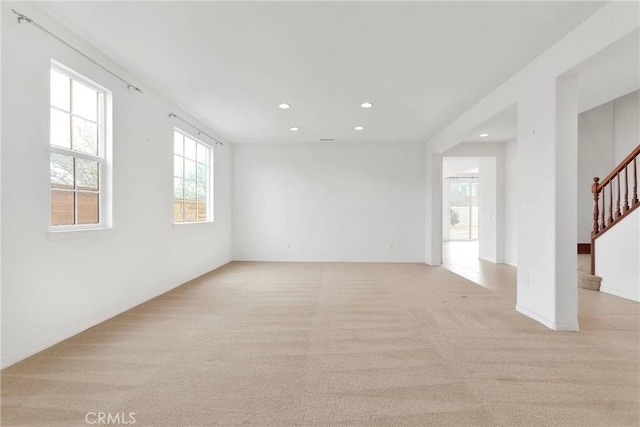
column 71, row 113
column 83, row 118
column 210, row 185
column 71, row 145
column 102, row 152
column 78, row 154
column 62, row 110
column 75, row 194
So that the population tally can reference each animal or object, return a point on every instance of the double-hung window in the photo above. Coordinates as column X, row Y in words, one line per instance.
column 78, row 162
column 192, row 176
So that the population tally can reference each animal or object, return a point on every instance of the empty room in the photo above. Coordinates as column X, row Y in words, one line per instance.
column 320, row 213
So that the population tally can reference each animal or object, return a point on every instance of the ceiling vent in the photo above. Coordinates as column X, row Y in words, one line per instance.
column 326, row 139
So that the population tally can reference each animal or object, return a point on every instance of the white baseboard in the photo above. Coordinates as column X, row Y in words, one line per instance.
column 28, row 352
column 59, row 337
column 617, row 293
column 572, row 326
column 546, row 322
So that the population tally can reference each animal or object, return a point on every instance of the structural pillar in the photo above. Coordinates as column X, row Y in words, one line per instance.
column 547, row 202
column 433, row 249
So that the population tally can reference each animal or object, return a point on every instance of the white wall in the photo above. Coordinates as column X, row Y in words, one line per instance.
column 618, row 258
column 595, row 158
column 1, row 207
column 329, row 202
column 511, row 202
column 626, row 127
column 488, row 247
column 433, row 205
column 52, row 289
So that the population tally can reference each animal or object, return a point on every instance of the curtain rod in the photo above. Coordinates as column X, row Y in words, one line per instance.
column 22, row 17
column 200, row 132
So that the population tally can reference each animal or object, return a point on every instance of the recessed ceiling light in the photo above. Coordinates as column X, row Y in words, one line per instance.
column 358, row 128
column 294, row 128
column 366, row 105
column 284, row 106
column 484, row 135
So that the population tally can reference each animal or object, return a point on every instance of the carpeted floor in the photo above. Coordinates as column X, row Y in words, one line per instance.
column 337, row 344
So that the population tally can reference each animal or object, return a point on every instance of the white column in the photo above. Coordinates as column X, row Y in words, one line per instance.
column 566, row 203
column 547, row 201
column 501, row 189
column 433, row 241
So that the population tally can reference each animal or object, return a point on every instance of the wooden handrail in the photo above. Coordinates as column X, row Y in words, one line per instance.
column 617, row 207
column 623, row 164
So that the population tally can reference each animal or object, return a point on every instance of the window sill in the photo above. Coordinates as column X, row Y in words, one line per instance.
column 80, row 234
column 191, row 224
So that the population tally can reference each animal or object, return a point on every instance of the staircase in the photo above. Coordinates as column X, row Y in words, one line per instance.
column 586, row 280
column 614, row 198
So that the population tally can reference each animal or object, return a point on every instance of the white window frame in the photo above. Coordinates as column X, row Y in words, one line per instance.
column 210, row 191
column 103, row 158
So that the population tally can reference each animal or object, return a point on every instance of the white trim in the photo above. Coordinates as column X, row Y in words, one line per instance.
column 210, row 171
column 546, row 322
column 103, row 157
column 77, row 154
column 184, row 224
column 14, row 358
column 619, row 294
column 567, row 327
column 60, row 67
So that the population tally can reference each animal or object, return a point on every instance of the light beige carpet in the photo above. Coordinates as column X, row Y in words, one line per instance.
column 337, row 344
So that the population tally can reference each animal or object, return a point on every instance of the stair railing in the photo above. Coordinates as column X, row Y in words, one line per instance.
column 614, row 198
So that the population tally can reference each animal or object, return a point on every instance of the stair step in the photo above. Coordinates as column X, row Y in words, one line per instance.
column 589, row 281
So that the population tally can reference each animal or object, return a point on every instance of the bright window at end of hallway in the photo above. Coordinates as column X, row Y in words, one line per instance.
column 192, row 178
column 79, row 170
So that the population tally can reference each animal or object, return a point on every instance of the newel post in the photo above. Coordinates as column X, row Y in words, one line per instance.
column 596, row 213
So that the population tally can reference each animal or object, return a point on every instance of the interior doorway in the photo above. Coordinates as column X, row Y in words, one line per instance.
column 463, row 207
column 471, row 200
column 460, row 211
column 460, row 199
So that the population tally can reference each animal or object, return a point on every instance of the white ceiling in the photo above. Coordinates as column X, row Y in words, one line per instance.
column 231, row 63
column 610, row 74
column 501, row 127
